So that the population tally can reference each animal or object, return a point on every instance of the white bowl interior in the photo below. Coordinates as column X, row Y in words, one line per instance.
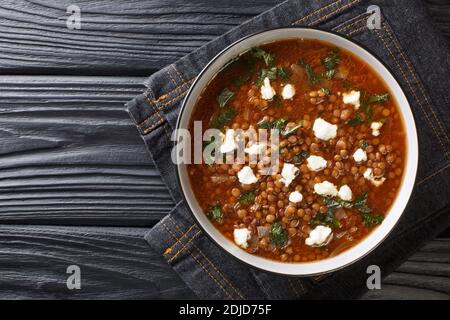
column 376, row 236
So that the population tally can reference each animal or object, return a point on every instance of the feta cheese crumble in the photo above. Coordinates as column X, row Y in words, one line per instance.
column 228, row 142
column 295, row 197
column 352, row 97
column 288, row 92
column 345, row 193
column 326, row 188
column 324, row 130
column 376, row 126
column 267, row 92
column 360, row 155
column 316, row 163
column 256, row 148
column 318, row 236
column 288, row 173
column 241, row 237
column 376, row 181
column 246, row 176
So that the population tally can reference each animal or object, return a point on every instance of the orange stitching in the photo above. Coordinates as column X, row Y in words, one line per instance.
column 433, row 174
column 178, row 73
column 351, row 24
column 210, row 262
column 339, row 9
column 356, row 30
column 184, row 246
column 199, row 263
column 316, row 11
column 161, row 119
column 165, row 95
column 181, row 237
column 409, row 84
column 411, row 71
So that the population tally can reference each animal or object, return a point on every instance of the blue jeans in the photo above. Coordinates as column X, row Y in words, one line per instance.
column 418, row 57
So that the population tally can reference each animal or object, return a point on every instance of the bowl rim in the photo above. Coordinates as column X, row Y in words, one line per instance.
column 415, row 154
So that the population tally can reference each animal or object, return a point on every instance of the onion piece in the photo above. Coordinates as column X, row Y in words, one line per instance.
column 262, row 231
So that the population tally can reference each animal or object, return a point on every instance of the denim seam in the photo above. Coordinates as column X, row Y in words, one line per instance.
column 410, row 85
column 433, row 174
column 419, row 83
column 209, row 261
column 316, row 11
column 198, row 262
column 348, row 24
column 184, row 246
column 170, row 248
column 337, row 10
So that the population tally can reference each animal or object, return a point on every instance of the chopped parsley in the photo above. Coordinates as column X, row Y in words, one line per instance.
column 356, row 120
column 269, row 58
column 284, row 73
column 278, row 235
column 215, row 213
column 276, row 124
column 313, row 77
column 266, row 73
column 223, row 118
column 327, row 219
column 300, row 157
column 330, row 63
column 224, row 97
column 247, row 198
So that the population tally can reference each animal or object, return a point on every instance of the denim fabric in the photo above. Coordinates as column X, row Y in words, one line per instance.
column 419, row 58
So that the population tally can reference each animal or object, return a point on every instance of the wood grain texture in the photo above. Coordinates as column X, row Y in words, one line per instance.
column 115, row 263
column 69, row 154
column 116, row 37
column 426, row 275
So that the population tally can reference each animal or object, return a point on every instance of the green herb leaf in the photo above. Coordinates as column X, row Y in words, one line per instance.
column 378, row 98
column 223, row 118
column 225, row 96
column 269, row 58
column 330, row 63
column 300, row 157
column 326, row 91
column 356, row 120
column 279, row 124
column 265, row 124
column 247, row 198
column 277, row 235
column 276, row 101
column 292, row 130
column 266, row 73
column 364, row 144
column 326, row 219
column 215, row 213
column 337, row 203
column 313, row 77
column 371, row 220
column 284, row 73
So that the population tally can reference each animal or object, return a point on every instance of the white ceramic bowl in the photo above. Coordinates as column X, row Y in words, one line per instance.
column 378, row 234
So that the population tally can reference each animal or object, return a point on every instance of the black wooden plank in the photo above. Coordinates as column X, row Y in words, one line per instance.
column 116, row 37
column 124, row 37
column 114, row 262
column 69, row 154
column 118, row 263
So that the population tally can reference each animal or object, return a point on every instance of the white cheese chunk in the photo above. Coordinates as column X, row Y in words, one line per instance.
column 324, row 130
column 241, row 237
column 295, row 197
column 326, row 188
column 318, row 236
column 345, row 193
column 228, row 141
column 376, row 126
column 246, row 176
column 352, row 97
column 288, row 92
column 267, row 92
column 316, row 163
column 288, row 173
column 256, row 148
column 360, row 155
column 376, row 181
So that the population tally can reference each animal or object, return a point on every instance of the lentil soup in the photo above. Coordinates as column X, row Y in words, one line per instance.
column 341, row 151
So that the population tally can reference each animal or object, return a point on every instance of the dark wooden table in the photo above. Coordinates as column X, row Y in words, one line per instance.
column 76, row 183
